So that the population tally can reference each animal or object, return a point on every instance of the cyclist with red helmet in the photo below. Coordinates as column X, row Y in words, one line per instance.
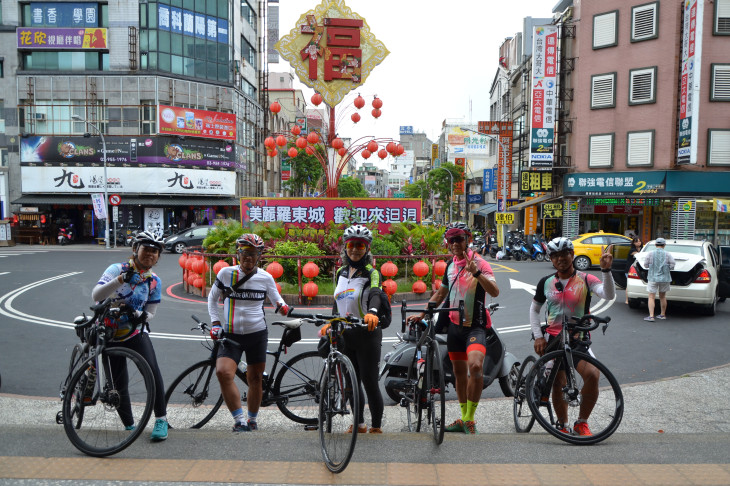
column 243, row 289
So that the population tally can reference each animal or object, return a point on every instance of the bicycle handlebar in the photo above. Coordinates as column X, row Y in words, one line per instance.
column 429, row 311
column 205, row 329
column 588, row 322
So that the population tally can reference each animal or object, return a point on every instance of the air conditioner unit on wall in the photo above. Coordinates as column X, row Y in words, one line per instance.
column 40, row 117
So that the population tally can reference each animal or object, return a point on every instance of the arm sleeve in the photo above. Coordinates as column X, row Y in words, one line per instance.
column 670, row 261
column 374, row 297
column 273, row 293
column 540, row 291
column 150, row 309
column 603, row 288
column 104, row 290
column 213, row 298
column 535, row 319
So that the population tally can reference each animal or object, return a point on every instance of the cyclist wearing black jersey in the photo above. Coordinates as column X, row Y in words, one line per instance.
column 568, row 294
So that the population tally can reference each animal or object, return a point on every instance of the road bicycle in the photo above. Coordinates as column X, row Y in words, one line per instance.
column 340, row 393
column 552, row 383
column 424, row 387
column 109, row 391
column 195, row 397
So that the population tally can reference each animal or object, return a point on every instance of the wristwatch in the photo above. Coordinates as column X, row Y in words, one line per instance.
column 476, row 275
column 373, row 311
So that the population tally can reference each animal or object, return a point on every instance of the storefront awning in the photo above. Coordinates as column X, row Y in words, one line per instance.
column 130, row 200
column 485, row 210
column 531, row 202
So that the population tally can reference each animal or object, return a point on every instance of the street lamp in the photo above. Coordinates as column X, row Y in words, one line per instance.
column 451, row 198
column 103, row 158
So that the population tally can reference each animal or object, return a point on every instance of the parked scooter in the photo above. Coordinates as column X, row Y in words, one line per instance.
column 65, row 235
column 499, row 363
column 538, row 253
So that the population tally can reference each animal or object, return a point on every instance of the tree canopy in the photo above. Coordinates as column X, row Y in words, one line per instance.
column 351, row 187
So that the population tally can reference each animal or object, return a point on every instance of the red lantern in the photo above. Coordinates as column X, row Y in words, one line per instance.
column 389, row 269
column 359, row 102
column 189, row 263
column 270, row 142
column 366, row 154
column 382, row 153
column 377, row 103
column 439, row 268
column 198, row 283
column 198, row 266
column 437, row 285
column 419, row 286
column 421, row 268
column 310, row 289
column 181, row 261
column 296, row 130
column 273, row 153
column 355, row 117
column 373, row 146
column 390, row 286
column 312, row 138
column 391, row 147
column 275, row 269
column 275, row 107
column 293, row 152
column 400, row 150
column 376, row 113
column 309, row 150
column 219, row 265
column 281, row 140
column 316, row 99
column 301, row 142
column 310, row 270
column 278, row 287
column 337, row 143
column 342, row 151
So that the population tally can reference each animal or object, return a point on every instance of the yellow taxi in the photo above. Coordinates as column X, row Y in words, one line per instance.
column 589, row 246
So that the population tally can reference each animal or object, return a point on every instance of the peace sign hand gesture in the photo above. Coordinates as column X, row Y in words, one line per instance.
column 471, row 264
column 606, row 257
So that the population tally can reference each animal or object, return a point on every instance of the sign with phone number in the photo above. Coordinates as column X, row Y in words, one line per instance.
column 504, row 218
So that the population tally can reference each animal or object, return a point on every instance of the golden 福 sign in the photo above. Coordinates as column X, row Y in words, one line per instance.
column 332, row 50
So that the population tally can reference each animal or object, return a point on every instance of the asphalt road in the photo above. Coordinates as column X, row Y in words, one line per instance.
column 43, row 289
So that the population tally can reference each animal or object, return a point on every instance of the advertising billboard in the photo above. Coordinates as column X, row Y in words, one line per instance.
column 58, row 14
column 54, row 38
column 173, row 120
column 543, row 103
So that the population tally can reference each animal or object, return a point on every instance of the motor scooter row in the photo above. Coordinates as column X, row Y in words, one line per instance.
column 499, row 363
column 65, row 235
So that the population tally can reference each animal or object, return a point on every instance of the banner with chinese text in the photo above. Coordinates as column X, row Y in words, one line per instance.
column 502, row 131
column 173, row 120
column 53, row 38
column 544, row 95
column 690, row 78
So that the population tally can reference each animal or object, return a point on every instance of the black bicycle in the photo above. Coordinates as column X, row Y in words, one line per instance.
column 340, row 394
column 552, row 387
column 194, row 397
column 425, row 388
column 109, row 392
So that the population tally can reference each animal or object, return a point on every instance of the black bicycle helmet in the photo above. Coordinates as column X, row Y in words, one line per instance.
column 149, row 239
column 358, row 231
column 559, row 244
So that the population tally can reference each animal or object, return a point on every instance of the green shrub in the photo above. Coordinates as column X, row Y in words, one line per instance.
column 293, row 247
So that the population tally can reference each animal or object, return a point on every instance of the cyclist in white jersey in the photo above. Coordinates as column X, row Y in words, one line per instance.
column 244, row 289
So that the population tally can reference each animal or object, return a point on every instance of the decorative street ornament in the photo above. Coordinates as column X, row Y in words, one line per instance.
column 332, row 50
column 355, row 117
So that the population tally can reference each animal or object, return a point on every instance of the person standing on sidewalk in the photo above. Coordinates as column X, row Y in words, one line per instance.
column 636, row 246
column 660, row 263
column 244, row 289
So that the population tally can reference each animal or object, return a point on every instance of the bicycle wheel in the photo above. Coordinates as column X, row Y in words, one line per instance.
column 605, row 416
column 338, row 413
column 435, row 393
column 297, row 387
column 97, row 425
column 524, row 420
column 414, row 397
column 194, row 397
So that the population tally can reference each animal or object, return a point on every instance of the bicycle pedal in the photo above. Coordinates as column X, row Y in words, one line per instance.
column 311, row 427
column 404, row 402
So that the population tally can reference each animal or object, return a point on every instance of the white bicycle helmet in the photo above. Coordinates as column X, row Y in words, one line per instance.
column 358, row 231
column 250, row 239
column 459, row 226
column 559, row 244
column 149, row 239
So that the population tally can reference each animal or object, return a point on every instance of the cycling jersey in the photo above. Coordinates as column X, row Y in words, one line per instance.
column 352, row 294
column 463, row 286
column 243, row 310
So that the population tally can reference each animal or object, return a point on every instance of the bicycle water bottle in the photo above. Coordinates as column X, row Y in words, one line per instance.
column 242, row 366
column 90, row 383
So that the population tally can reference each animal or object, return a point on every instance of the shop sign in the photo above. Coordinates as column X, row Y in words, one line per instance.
column 51, row 38
column 319, row 212
column 638, row 184
column 285, row 169
column 474, row 199
column 459, row 186
column 126, row 152
column 624, row 201
column 544, row 95
column 691, row 66
column 174, row 120
column 504, row 218
column 552, row 210
column 530, row 220
column 721, row 205
column 57, row 14
column 97, row 202
column 536, row 181
column 614, row 209
column 502, row 131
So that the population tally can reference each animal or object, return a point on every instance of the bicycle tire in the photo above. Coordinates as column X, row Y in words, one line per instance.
column 77, row 356
column 413, row 397
column 101, row 432
column 194, row 397
column 524, row 419
column 436, row 393
column 337, row 412
column 606, row 414
column 297, row 385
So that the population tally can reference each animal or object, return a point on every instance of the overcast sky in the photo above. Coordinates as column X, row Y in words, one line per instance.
column 443, row 58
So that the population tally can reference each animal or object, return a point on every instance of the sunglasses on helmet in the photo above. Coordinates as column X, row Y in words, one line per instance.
column 456, row 239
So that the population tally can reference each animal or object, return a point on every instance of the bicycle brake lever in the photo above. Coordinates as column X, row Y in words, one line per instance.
column 605, row 326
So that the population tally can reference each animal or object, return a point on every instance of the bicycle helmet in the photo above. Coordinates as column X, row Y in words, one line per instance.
column 250, row 239
column 559, row 244
column 149, row 239
column 358, row 231
column 456, row 228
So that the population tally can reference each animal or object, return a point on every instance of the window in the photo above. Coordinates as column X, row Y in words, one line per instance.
column 603, row 91
column 644, row 23
column 600, row 151
column 148, row 117
column 718, row 147
column 642, row 86
column 640, row 149
column 720, row 82
column 605, row 30
column 248, row 14
column 722, row 18
column 248, row 53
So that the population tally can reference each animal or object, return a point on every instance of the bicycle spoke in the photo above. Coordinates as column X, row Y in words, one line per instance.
column 522, row 414
column 297, row 387
column 194, row 397
column 436, row 391
column 337, row 414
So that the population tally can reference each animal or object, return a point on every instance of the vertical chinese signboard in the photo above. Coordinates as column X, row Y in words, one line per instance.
column 502, row 131
column 690, row 82
column 544, row 96
column 459, row 186
column 285, row 169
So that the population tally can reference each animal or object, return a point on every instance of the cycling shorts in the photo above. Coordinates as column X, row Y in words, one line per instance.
column 254, row 344
column 461, row 340
column 555, row 342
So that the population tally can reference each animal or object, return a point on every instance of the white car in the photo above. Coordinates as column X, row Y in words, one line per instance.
column 701, row 274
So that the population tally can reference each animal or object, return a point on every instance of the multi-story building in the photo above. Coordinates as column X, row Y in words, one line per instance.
column 374, row 180
column 172, row 90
